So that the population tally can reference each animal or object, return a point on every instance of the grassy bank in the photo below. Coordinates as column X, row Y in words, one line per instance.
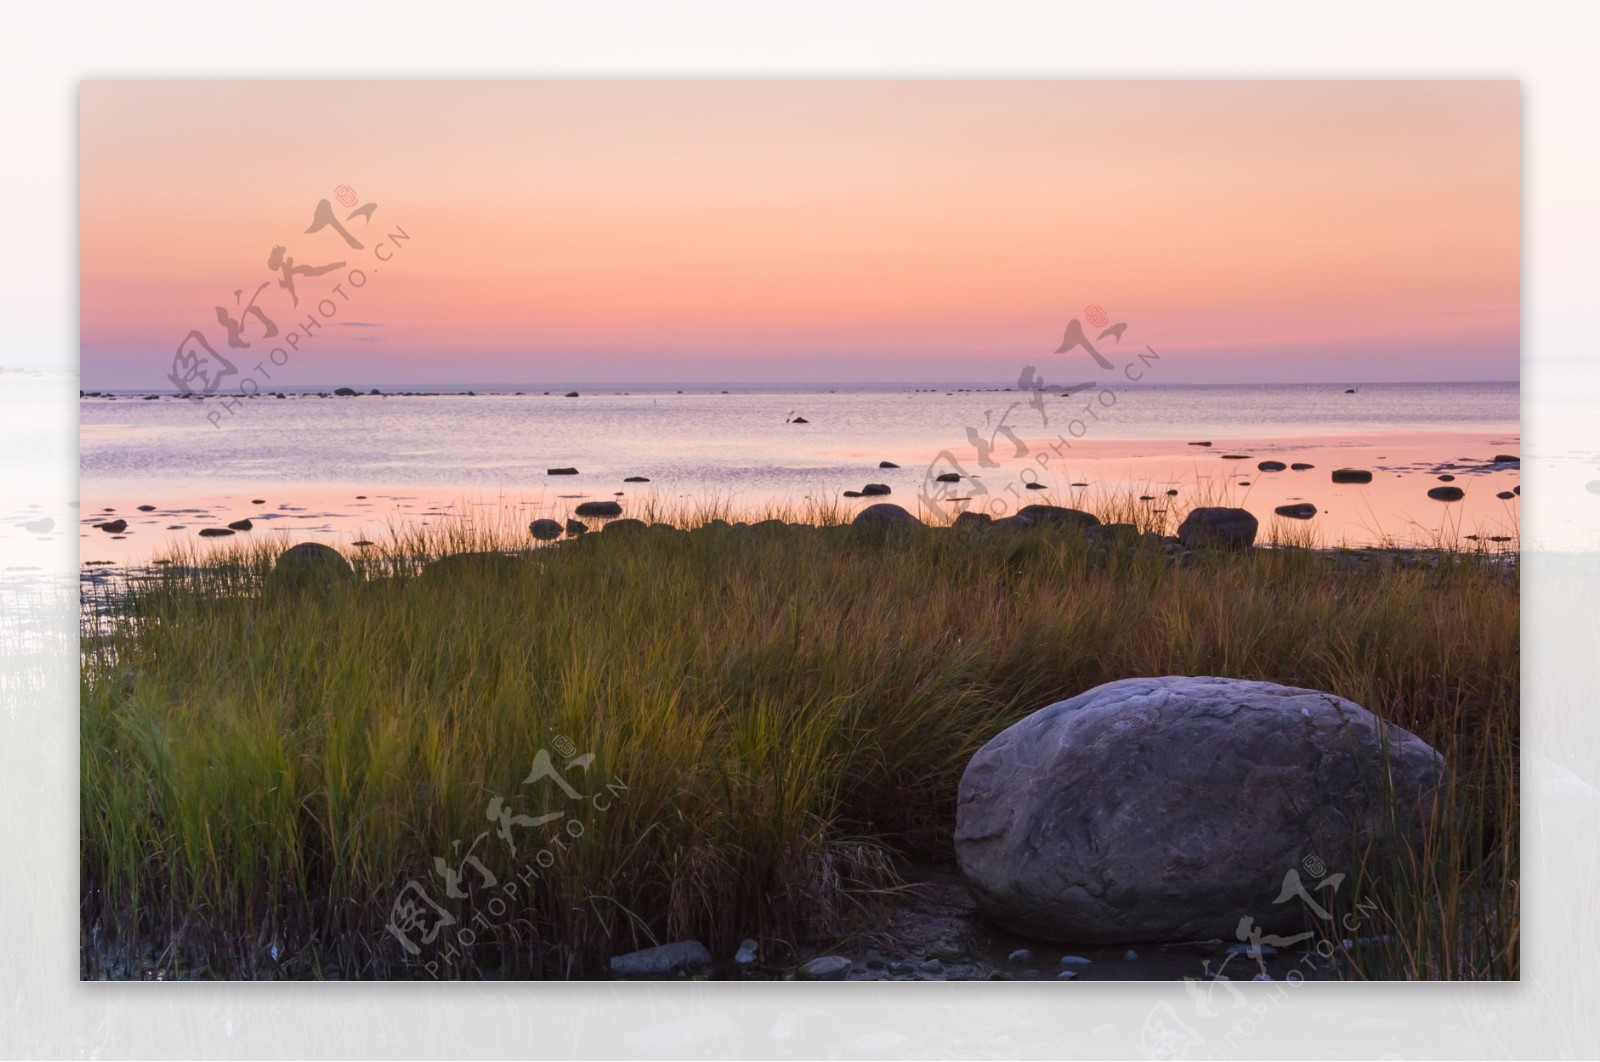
column 775, row 717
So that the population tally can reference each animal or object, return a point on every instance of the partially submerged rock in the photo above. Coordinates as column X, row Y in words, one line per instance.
column 598, row 508
column 545, row 530
column 1218, row 527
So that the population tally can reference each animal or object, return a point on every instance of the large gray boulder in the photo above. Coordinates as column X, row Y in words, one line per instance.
column 1168, row 809
column 1218, row 527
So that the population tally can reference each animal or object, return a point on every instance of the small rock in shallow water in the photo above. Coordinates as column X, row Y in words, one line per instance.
column 1131, row 956
column 599, row 508
column 887, row 464
column 114, row 527
column 947, row 477
column 147, row 508
column 545, row 530
column 1301, row 511
column 1074, row 960
column 1021, row 957
column 1351, row 475
column 1446, row 494
column 1067, row 975
column 561, row 472
column 576, row 527
column 241, row 525
column 1300, row 466
column 874, row 489
column 1447, row 478
column 1505, row 495
column 1218, row 526
column 1270, row 466
column 825, row 968
column 214, row 532
column 636, row 479
column 748, row 950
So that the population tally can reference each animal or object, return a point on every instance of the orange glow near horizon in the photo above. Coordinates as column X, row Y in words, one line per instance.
column 749, row 231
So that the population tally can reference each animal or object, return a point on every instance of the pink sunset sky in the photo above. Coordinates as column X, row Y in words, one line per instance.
column 577, row 232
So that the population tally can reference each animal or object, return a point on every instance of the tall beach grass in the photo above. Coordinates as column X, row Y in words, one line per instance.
column 760, row 724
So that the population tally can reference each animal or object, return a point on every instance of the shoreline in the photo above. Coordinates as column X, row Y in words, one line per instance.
column 1393, row 509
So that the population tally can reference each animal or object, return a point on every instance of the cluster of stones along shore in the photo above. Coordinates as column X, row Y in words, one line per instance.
column 547, row 530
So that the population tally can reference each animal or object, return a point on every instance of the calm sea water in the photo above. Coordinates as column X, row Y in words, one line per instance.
column 744, row 446
column 702, row 439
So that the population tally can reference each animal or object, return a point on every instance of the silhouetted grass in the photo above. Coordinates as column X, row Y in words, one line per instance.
column 775, row 715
